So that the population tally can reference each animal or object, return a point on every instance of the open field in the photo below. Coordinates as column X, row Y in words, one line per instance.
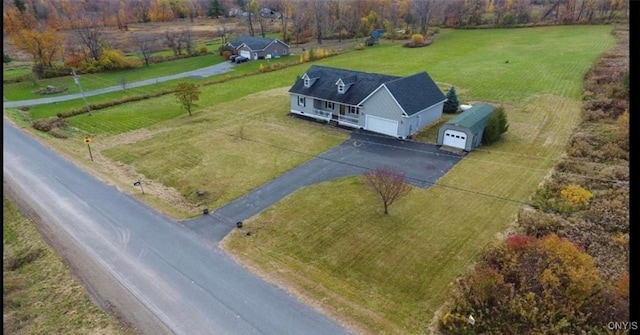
column 40, row 295
column 329, row 243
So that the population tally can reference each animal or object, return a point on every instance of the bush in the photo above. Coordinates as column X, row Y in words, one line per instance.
column 496, row 126
column 417, row 39
column 49, row 123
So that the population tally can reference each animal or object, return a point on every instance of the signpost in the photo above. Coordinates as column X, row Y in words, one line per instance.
column 87, row 140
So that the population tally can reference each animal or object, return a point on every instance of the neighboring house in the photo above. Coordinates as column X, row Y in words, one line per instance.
column 390, row 105
column 465, row 130
column 258, row 47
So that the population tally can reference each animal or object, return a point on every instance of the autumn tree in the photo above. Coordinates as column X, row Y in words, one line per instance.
column 527, row 285
column 388, row 183
column 44, row 43
column 186, row 95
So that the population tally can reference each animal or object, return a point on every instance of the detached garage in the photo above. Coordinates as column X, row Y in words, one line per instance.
column 465, row 130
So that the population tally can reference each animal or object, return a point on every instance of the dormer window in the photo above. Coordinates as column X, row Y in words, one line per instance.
column 308, row 81
column 340, row 88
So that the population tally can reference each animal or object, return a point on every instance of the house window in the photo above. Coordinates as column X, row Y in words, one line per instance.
column 354, row 110
column 340, row 88
column 306, row 82
column 329, row 105
column 302, row 101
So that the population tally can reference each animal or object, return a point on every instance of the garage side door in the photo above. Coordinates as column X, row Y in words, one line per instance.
column 381, row 125
column 455, row 139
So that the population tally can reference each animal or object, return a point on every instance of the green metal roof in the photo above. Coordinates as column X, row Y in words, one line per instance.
column 473, row 118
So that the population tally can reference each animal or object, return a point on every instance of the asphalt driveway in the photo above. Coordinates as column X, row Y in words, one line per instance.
column 423, row 164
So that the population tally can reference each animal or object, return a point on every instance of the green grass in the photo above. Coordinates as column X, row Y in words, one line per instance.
column 390, row 274
column 41, row 296
column 386, row 274
column 227, row 149
column 25, row 90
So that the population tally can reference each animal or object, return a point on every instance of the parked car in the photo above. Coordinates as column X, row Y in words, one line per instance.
column 241, row 59
column 233, row 58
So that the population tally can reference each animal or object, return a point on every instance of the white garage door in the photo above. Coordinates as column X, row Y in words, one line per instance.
column 455, row 139
column 245, row 53
column 381, row 125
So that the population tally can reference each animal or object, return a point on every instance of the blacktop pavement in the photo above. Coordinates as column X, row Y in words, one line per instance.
column 423, row 164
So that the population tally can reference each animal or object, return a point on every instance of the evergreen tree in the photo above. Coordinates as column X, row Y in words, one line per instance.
column 452, row 104
column 215, row 9
column 496, row 126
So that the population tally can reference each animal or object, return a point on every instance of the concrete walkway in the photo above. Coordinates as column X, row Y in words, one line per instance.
column 423, row 164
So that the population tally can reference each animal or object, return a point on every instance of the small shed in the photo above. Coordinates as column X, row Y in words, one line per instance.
column 465, row 130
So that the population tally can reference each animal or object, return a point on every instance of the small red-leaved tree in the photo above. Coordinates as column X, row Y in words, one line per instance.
column 388, row 183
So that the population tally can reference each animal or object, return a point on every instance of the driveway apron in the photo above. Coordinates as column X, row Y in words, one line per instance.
column 423, row 164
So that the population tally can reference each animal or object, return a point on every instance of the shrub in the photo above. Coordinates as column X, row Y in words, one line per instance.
column 359, row 46
column 49, row 123
column 203, row 50
column 576, row 195
column 417, row 39
column 496, row 126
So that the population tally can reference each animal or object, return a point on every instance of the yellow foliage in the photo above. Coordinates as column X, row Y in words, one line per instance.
column 44, row 46
column 417, row 39
column 576, row 195
column 261, row 68
column 112, row 59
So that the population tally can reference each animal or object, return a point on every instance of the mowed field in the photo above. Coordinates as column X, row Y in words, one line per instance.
column 329, row 243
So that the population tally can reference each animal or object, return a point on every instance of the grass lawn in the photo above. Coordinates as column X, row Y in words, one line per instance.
column 227, row 149
column 330, row 242
column 25, row 90
column 40, row 296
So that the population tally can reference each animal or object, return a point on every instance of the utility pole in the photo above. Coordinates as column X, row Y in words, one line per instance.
column 76, row 79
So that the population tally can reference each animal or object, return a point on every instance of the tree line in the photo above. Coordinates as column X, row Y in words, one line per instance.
column 36, row 26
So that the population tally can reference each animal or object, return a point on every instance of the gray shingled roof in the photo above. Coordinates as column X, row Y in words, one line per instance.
column 254, row 43
column 416, row 92
column 413, row 93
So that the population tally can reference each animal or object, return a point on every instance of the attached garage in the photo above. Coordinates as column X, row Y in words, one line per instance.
column 381, row 125
column 465, row 130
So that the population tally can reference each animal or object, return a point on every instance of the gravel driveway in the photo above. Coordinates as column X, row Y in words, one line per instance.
column 423, row 164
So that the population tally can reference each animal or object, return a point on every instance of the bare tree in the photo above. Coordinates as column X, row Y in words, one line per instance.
column 422, row 10
column 174, row 41
column 147, row 46
column 186, row 36
column 318, row 7
column 388, row 183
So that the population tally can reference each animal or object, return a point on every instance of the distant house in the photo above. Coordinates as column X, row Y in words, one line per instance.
column 465, row 130
column 258, row 47
column 389, row 105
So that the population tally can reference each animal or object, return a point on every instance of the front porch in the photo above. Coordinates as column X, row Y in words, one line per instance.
column 337, row 118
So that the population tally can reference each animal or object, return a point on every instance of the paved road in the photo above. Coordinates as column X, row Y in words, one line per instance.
column 423, row 164
column 187, row 282
column 199, row 73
